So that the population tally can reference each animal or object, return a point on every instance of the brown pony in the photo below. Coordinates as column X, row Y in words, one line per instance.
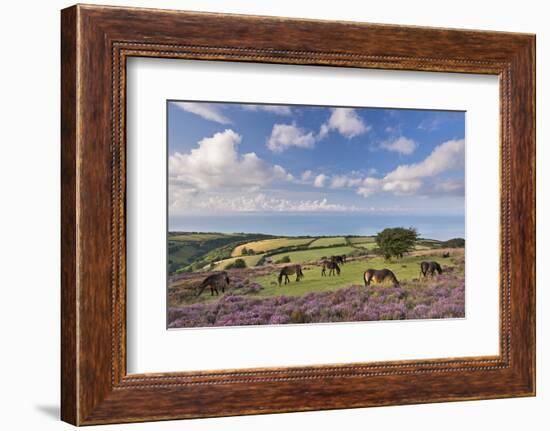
column 289, row 270
column 220, row 279
column 430, row 268
column 340, row 259
column 379, row 276
column 332, row 268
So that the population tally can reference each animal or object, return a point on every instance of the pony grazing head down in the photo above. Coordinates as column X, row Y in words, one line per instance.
column 379, row 276
column 430, row 268
column 218, row 280
column 289, row 270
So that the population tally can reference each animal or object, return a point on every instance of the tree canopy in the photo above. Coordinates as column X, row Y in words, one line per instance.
column 394, row 242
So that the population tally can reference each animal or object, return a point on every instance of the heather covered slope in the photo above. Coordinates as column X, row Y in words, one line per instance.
column 441, row 297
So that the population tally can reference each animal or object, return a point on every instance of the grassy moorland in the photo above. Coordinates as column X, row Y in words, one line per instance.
column 438, row 297
column 407, row 268
column 255, row 297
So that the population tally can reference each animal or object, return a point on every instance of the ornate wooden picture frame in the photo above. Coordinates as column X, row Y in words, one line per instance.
column 96, row 41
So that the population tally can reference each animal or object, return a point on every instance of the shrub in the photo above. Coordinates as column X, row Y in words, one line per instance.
column 358, row 252
column 284, row 259
column 454, row 243
column 238, row 263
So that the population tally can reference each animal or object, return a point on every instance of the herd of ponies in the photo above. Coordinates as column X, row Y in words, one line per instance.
column 220, row 280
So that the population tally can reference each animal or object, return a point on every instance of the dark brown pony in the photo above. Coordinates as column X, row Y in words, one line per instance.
column 429, row 268
column 215, row 281
column 379, row 276
column 340, row 259
column 332, row 268
column 289, row 270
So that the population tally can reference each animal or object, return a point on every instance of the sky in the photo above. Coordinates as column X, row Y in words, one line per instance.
column 229, row 158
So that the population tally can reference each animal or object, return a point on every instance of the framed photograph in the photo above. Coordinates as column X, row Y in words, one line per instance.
column 265, row 215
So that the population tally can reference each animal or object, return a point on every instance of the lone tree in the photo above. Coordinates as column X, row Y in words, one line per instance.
column 394, row 242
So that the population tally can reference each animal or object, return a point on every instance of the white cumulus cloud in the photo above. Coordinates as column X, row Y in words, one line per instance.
column 307, row 175
column 274, row 109
column 284, row 136
column 409, row 179
column 216, row 162
column 444, row 157
column 401, row 145
column 320, row 180
column 341, row 181
column 263, row 203
column 207, row 111
column 346, row 122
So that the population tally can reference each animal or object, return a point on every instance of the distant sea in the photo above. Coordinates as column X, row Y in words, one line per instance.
column 440, row 227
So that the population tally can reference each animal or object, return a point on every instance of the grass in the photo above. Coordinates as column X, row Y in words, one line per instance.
column 367, row 242
column 313, row 254
column 361, row 239
column 270, row 244
column 352, row 273
column 367, row 245
column 191, row 251
column 328, row 241
column 250, row 261
column 198, row 236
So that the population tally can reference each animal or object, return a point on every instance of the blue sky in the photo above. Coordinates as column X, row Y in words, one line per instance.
column 234, row 158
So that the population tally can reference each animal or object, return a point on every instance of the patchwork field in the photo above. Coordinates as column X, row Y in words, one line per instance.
column 313, row 254
column 192, row 251
column 249, row 260
column 270, row 244
column 358, row 240
column 198, row 251
column 328, row 242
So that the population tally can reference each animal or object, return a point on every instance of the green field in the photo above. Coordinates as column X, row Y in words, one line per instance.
column 191, row 237
column 313, row 254
column 250, row 261
column 199, row 251
column 328, row 241
column 351, row 273
column 366, row 242
column 270, row 244
column 194, row 250
column 361, row 239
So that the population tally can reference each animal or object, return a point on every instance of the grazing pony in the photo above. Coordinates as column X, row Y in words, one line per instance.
column 214, row 281
column 332, row 268
column 289, row 270
column 446, row 254
column 340, row 259
column 430, row 268
column 379, row 276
